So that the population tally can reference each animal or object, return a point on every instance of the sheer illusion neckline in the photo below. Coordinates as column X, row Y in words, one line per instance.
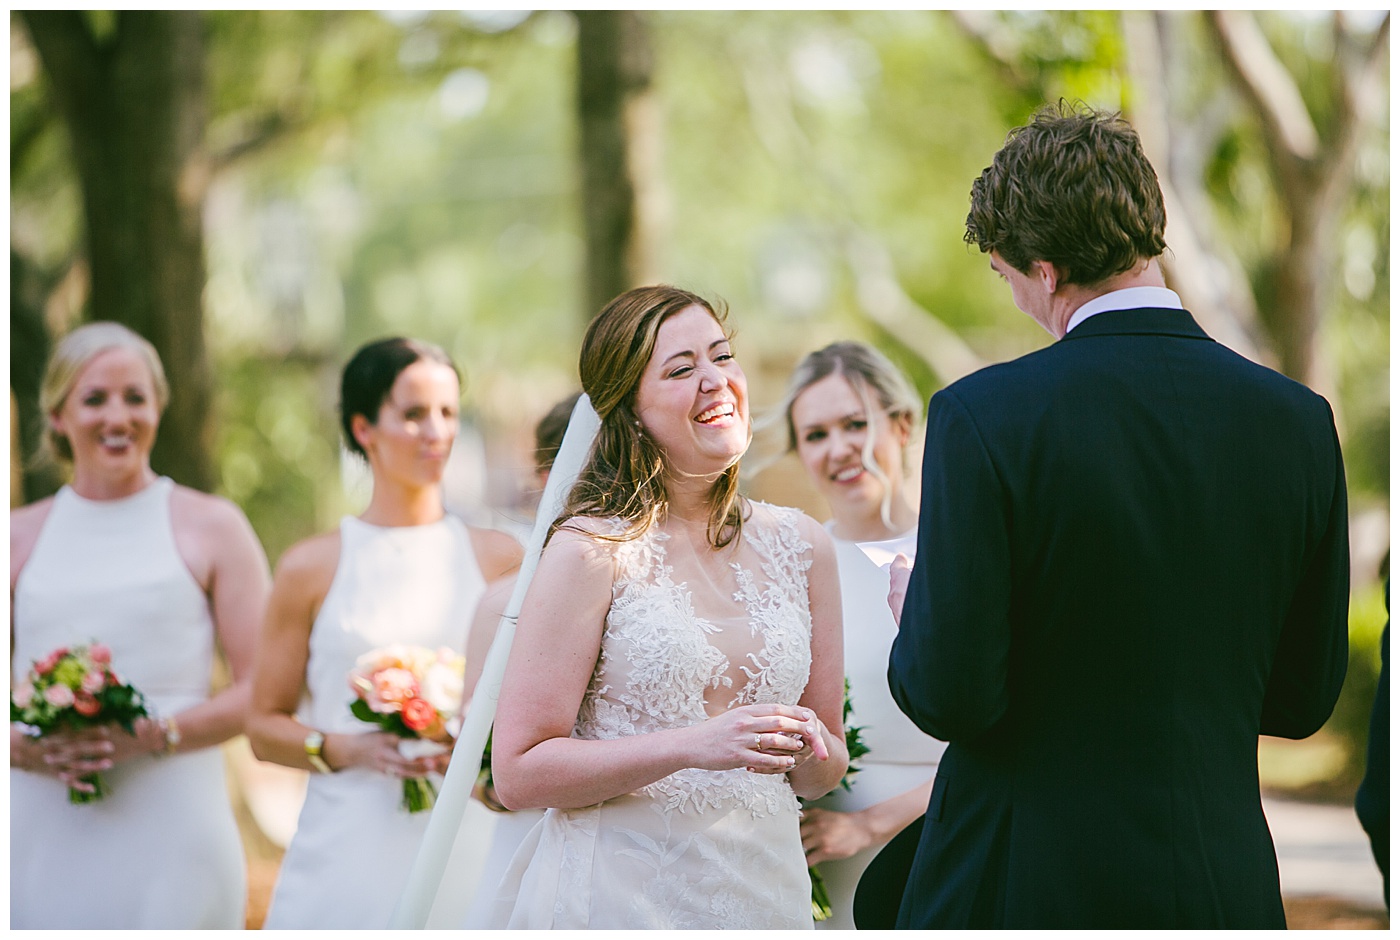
column 665, row 665
column 722, row 611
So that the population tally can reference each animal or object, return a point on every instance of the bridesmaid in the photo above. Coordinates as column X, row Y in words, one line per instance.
column 849, row 415
column 160, row 574
column 404, row 572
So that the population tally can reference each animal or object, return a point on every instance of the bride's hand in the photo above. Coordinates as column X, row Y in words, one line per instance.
column 815, row 744
column 761, row 738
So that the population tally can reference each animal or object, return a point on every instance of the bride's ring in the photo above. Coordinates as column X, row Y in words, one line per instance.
column 758, row 742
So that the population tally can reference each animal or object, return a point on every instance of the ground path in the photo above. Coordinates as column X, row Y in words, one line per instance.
column 1328, row 877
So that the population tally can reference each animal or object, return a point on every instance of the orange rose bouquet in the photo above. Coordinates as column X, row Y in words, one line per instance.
column 75, row 688
column 415, row 693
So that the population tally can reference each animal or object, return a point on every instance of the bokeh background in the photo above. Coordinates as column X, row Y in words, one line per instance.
column 261, row 192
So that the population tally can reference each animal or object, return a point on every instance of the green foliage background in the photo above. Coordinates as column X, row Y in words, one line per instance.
column 416, row 173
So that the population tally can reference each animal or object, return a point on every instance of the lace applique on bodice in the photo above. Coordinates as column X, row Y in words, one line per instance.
column 659, row 657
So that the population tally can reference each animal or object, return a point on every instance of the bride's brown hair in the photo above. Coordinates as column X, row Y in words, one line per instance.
column 624, row 476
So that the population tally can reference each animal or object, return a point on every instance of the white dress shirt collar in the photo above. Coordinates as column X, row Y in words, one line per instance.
column 1129, row 298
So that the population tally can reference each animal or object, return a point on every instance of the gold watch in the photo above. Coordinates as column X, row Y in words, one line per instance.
column 313, row 744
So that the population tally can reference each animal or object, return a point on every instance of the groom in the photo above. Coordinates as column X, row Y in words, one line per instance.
column 1132, row 561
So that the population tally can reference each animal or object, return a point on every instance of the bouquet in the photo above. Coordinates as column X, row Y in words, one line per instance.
column 821, row 903
column 485, row 788
column 75, row 688
column 415, row 693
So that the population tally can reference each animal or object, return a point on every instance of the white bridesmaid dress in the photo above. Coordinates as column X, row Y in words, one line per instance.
column 349, row 860
column 901, row 756
column 162, row 849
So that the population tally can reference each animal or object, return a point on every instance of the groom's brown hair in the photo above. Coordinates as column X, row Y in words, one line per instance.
column 1072, row 187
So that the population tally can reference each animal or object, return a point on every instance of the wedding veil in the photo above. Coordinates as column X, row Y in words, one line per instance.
column 431, row 868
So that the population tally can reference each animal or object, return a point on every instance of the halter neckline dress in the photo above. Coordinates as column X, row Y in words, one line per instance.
column 162, row 849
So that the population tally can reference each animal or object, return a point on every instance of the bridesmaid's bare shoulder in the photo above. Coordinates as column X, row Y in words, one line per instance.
column 213, row 536
column 498, row 553
column 312, row 559
column 26, row 522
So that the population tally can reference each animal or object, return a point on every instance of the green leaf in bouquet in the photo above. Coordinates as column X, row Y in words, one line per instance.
column 419, row 794
column 361, row 710
column 79, row 797
column 821, row 902
column 395, row 724
column 855, row 747
column 391, row 722
column 122, row 704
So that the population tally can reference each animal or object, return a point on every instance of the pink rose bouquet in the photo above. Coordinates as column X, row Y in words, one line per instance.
column 415, row 693
column 75, row 688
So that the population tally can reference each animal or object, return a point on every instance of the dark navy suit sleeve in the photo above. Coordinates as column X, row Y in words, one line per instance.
column 1373, row 796
column 1311, row 658
column 948, row 666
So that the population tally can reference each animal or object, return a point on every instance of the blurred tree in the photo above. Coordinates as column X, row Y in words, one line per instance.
column 426, row 173
column 29, row 351
column 1312, row 148
column 618, row 137
column 130, row 88
column 1313, row 113
column 30, row 286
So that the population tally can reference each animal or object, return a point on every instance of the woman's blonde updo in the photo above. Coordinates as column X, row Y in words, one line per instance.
column 624, row 476
column 71, row 356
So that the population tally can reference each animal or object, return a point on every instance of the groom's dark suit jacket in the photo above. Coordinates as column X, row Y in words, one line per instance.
column 1132, row 561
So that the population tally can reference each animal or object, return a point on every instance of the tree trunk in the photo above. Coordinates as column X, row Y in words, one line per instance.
column 1208, row 275
column 1297, row 294
column 133, row 102
column 29, row 351
column 617, row 137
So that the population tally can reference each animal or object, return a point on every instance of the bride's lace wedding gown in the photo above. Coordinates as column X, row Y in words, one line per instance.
column 683, row 641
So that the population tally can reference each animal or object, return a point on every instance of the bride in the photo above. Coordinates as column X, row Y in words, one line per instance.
column 675, row 683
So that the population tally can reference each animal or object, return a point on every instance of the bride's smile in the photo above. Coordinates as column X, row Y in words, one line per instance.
column 693, row 398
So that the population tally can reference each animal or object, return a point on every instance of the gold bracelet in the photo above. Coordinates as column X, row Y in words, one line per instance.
column 172, row 735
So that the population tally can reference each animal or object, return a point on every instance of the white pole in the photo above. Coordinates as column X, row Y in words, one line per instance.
column 425, row 879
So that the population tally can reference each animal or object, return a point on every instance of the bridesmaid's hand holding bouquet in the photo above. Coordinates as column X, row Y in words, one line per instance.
column 73, row 689
column 416, row 694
